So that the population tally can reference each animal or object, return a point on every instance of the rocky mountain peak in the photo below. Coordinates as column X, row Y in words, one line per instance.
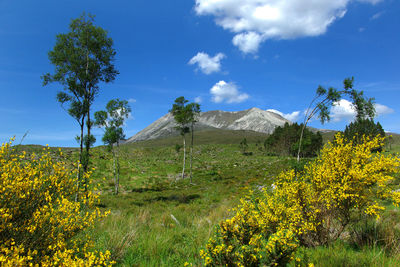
column 253, row 119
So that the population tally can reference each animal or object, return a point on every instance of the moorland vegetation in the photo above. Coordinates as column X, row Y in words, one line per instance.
column 247, row 204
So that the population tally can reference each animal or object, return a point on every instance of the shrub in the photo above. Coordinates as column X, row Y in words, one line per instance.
column 178, row 148
column 243, row 146
column 39, row 217
column 306, row 208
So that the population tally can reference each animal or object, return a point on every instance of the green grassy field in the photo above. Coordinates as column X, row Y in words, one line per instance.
column 158, row 219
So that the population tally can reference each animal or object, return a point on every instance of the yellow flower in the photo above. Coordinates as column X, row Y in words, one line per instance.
column 37, row 199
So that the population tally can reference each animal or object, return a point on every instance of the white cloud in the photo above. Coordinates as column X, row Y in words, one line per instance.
column 198, row 99
column 132, row 100
column 206, row 63
column 377, row 15
column 293, row 117
column 227, row 92
column 382, row 109
column 254, row 21
column 362, row 29
column 344, row 110
column 247, row 42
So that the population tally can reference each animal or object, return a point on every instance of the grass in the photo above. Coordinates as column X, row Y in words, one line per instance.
column 341, row 254
column 159, row 219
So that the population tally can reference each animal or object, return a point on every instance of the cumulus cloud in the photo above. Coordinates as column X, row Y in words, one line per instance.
column 247, row 42
column 254, row 21
column 198, row 99
column 132, row 100
column 227, row 92
column 382, row 109
column 293, row 117
column 344, row 110
column 206, row 63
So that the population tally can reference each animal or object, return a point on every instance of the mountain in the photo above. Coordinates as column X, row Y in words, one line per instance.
column 253, row 119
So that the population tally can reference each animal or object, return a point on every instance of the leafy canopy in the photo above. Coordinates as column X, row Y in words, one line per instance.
column 284, row 141
column 112, row 119
column 183, row 114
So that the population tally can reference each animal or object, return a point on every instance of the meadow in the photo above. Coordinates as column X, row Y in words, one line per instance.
column 158, row 219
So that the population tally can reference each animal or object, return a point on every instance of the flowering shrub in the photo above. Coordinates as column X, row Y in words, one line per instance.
column 310, row 208
column 39, row 219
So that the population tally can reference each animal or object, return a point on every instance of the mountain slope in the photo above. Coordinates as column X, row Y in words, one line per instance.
column 253, row 119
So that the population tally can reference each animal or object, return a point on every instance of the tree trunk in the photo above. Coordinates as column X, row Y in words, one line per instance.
column 301, row 139
column 191, row 154
column 79, row 176
column 184, row 156
column 89, row 126
column 88, row 98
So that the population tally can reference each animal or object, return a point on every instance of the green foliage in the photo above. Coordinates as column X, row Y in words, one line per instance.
column 310, row 208
column 363, row 127
column 182, row 114
column 150, row 194
column 324, row 99
column 383, row 233
column 89, row 141
column 342, row 254
column 284, row 141
column 364, row 107
column 82, row 58
column 112, row 119
column 185, row 115
column 117, row 111
column 140, row 230
column 178, row 148
column 39, row 219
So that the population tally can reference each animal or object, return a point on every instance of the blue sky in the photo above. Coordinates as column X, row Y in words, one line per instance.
column 228, row 54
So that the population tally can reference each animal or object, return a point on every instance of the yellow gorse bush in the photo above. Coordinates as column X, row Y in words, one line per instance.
column 39, row 219
column 310, row 208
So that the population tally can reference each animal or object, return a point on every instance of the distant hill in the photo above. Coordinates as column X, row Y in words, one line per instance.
column 214, row 136
column 250, row 120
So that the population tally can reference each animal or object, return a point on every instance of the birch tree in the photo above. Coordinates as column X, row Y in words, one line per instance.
column 182, row 115
column 112, row 120
column 324, row 99
column 83, row 58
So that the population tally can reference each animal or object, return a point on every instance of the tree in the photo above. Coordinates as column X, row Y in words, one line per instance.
column 112, row 121
column 284, row 141
column 325, row 98
column 83, row 58
column 358, row 129
column 182, row 115
column 194, row 109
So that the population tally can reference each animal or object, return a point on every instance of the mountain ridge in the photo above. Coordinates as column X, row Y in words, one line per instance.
column 253, row 119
